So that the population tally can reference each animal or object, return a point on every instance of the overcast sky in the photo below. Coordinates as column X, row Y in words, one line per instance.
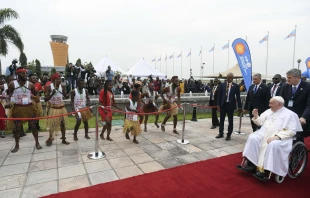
column 127, row 31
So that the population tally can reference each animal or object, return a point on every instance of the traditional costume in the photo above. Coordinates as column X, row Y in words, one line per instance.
column 80, row 103
column 149, row 107
column 3, row 111
column 56, row 107
column 107, row 103
column 170, row 97
column 131, row 122
column 273, row 156
column 22, row 104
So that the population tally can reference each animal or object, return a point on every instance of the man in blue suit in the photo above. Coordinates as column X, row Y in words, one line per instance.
column 226, row 104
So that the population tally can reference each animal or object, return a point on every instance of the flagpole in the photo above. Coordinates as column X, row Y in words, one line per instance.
column 173, row 65
column 228, row 56
column 267, row 53
column 190, row 63
column 181, row 66
column 160, row 63
column 201, row 62
column 213, row 56
column 294, row 45
column 166, row 66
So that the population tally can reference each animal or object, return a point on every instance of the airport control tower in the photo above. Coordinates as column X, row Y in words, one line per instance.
column 59, row 49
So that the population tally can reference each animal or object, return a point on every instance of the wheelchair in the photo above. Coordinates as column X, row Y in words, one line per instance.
column 298, row 158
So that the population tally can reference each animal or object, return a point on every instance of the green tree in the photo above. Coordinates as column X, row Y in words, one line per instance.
column 53, row 71
column 38, row 68
column 78, row 62
column 8, row 34
column 32, row 66
column 23, row 59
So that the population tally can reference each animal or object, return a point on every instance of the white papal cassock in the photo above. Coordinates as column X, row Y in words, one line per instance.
column 273, row 156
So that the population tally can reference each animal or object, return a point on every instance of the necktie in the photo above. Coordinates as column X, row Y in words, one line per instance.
column 227, row 89
column 273, row 89
column 294, row 90
column 255, row 89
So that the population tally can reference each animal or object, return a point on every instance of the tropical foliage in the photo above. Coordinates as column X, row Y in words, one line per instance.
column 8, row 34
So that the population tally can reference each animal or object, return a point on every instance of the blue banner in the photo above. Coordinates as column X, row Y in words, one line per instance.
column 243, row 56
column 308, row 67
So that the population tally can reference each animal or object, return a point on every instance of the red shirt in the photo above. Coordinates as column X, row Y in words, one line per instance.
column 38, row 86
column 47, row 83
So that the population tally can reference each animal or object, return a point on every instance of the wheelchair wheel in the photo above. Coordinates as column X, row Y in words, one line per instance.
column 297, row 160
column 278, row 179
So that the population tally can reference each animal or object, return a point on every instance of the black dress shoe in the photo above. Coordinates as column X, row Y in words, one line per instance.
column 213, row 127
column 248, row 169
column 219, row 136
column 261, row 176
column 227, row 138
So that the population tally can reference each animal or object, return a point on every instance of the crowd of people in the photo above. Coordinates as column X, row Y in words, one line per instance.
column 277, row 110
column 21, row 93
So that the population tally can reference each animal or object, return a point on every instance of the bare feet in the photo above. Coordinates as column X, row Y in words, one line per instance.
column 108, row 138
column 175, row 131
column 156, row 125
column 15, row 149
column 64, row 141
column 163, row 127
column 135, row 141
column 49, row 142
column 145, row 129
column 87, row 137
column 38, row 146
column 101, row 136
column 127, row 136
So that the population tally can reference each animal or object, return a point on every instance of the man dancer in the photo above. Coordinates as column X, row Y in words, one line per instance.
column 54, row 94
column 22, row 92
column 171, row 92
column 213, row 102
column 80, row 100
column 150, row 105
column 226, row 104
column 257, row 98
column 39, row 90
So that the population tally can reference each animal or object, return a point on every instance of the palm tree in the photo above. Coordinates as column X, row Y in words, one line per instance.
column 8, row 34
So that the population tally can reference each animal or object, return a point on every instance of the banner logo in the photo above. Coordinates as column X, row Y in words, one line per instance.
column 243, row 56
column 240, row 48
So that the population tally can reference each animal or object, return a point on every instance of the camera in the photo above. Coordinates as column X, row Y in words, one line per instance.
column 14, row 62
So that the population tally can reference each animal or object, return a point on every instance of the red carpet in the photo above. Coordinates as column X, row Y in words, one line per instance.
column 211, row 178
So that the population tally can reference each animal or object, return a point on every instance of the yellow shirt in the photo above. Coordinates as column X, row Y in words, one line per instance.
column 182, row 88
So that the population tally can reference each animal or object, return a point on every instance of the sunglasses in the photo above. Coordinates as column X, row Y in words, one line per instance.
column 275, row 78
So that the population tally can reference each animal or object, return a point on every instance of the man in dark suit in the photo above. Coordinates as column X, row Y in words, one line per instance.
column 226, row 104
column 276, row 87
column 258, row 97
column 213, row 102
column 296, row 94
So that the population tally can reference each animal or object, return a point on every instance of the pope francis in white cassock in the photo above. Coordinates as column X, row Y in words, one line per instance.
column 269, row 147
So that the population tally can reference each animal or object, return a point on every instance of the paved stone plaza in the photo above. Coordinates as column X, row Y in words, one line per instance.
column 33, row 173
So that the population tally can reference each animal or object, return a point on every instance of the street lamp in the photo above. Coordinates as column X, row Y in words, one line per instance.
column 298, row 61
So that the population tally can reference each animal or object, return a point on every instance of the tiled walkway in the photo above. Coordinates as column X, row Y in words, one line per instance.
column 33, row 173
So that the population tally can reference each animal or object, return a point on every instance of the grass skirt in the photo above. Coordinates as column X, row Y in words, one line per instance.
column 133, row 126
column 165, row 107
column 38, row 106
column 9, row 123
column 54, row 123
column 86, row 115
column 28, row 111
